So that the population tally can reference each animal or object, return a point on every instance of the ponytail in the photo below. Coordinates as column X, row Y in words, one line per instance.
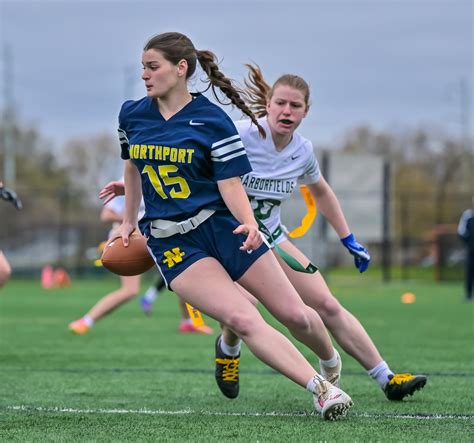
column 207, row 60
column 257, row 92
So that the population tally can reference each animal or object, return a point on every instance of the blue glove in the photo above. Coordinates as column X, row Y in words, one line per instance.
column 361, row 254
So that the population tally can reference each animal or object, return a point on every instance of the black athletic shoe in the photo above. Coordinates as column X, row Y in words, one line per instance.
column 401, row 385
column 227, row 372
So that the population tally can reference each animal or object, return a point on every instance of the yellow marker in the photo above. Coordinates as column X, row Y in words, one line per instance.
column 195, row 315
column 310, row 215
column 408, row 298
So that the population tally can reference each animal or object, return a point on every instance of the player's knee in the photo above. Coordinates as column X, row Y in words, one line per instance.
column 242, row 323
column 132, row 293
column 329, row 308
column 297, row 319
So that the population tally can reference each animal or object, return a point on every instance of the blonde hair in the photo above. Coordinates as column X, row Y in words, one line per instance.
column 258, row 92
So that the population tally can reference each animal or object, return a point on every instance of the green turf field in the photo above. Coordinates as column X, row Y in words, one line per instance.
column 135, row 378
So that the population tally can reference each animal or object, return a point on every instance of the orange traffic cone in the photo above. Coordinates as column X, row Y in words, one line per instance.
column 61, row 278
column 47, row 277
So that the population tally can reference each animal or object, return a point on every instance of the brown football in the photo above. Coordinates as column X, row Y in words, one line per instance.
column 131, row 260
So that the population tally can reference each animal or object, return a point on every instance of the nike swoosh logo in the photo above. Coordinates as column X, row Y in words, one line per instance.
column 294, row 157
column 193, row 123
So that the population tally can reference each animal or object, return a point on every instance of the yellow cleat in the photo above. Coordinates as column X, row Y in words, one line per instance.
column 227, row 372
column 401, row 385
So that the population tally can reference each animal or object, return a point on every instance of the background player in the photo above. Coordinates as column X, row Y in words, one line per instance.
column 466, row 232
column 113, row 212
column 7, row 194
column 278, row 162
column 186, row 325
column 129, row 285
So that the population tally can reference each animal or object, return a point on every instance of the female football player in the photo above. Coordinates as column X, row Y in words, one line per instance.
column 278, row 162
column 129, row 285
column 184, row 155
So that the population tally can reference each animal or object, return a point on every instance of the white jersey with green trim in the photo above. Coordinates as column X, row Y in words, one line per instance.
column 275, row 174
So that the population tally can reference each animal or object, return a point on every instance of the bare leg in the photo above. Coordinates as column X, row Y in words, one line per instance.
column 5, row 269
column 268, row 283
column 129, row 289
column 344, row 327
column 229, row 336
column 183, row 309
column 221, row 300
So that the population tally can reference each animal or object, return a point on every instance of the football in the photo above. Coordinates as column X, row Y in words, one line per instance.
column 126, row 261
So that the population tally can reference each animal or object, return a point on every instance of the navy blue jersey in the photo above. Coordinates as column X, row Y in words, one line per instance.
column 181, row 159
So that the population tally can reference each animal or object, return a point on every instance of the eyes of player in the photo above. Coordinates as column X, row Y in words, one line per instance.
column 152, row 67
column 296, row 105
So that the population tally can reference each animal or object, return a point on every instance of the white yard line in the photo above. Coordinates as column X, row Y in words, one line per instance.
column 62, row 410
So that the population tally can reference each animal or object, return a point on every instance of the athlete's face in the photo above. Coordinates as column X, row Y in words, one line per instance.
column 286, row 109
column 160, row 75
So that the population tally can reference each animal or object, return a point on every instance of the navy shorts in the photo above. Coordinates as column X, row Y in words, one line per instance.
column 212, row 238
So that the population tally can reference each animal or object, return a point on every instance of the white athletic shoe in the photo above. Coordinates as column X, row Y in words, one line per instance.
column 330, row 401
column 332, row 375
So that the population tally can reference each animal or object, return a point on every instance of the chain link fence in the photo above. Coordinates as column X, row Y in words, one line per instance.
column 408, row 235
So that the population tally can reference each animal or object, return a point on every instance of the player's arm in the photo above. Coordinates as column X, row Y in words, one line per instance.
column 329, row 206
column 236, row 199
column 133, row 197
column 332, row 211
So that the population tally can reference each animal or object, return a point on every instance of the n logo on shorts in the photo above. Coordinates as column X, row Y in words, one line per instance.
column 172, row 257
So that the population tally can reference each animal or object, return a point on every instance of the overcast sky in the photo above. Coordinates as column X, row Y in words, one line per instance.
column 391, row 64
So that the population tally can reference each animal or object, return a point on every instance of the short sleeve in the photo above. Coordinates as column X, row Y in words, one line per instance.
column 122, row 134
column 228, row 155
column 312, row 173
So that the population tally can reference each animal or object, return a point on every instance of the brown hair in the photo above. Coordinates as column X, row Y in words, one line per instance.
column 176, row 46
column 258, row 92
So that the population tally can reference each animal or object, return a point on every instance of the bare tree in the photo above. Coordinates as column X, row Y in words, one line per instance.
column 93, row 161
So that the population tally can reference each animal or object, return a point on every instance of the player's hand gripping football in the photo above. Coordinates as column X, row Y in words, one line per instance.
column 360, row 253
column 111, row 190
column 126, row 230
column 254, row 238
column 10, row 195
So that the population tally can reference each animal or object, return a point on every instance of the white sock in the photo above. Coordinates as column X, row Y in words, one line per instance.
column 233, row 351
column 151, row 294
column 332, row 362
column 381, row 373
column 88, row 321
column 312, row 383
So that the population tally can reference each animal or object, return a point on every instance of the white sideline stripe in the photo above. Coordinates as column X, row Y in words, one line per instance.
column 232, row 414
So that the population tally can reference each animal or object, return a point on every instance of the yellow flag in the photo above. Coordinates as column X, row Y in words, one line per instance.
column 195, row 315
column 310, row 215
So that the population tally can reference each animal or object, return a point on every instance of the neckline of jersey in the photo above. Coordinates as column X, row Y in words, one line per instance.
column 195, row 95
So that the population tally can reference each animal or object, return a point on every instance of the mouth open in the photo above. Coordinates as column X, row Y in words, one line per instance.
column 286, row 121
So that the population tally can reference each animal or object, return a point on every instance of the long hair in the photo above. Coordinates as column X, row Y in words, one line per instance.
column 176, row 46
column 258, row 92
